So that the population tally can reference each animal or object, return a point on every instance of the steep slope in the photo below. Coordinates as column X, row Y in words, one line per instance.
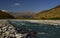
column 5, row 15
column 53, row 13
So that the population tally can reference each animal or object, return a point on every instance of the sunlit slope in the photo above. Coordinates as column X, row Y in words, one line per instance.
column 53, row 13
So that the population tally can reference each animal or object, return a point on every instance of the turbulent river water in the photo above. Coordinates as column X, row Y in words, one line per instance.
column 43, row 30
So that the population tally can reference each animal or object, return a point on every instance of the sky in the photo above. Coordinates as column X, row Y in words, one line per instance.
column 27, row 5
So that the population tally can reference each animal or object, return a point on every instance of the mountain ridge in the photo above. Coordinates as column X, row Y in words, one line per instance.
column 52, row 13
column 5, row 15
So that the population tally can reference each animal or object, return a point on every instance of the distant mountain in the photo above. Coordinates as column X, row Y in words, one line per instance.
column 5, row 15
column 22, row 14
column 53, row 13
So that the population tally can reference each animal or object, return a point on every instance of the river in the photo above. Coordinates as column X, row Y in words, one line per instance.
column 43, row 30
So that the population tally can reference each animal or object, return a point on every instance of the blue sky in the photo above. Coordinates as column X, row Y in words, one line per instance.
column 27, row 5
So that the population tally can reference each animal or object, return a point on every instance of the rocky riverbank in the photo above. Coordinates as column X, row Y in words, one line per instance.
column 51, row 22
column 9, row 31
column 6, row 30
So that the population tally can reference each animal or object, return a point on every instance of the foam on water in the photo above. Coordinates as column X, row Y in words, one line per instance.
column 43, row 30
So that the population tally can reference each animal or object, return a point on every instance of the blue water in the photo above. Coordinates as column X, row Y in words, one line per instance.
column 43, row 30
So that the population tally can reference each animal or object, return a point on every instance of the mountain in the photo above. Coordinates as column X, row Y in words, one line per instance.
column 53, row 13
column 22, row 15
column 5, row 15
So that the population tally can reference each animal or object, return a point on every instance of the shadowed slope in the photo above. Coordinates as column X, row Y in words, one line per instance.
column 5, row 15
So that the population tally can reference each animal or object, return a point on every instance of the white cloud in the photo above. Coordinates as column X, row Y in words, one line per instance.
column 4, row 10
column 16, row 4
